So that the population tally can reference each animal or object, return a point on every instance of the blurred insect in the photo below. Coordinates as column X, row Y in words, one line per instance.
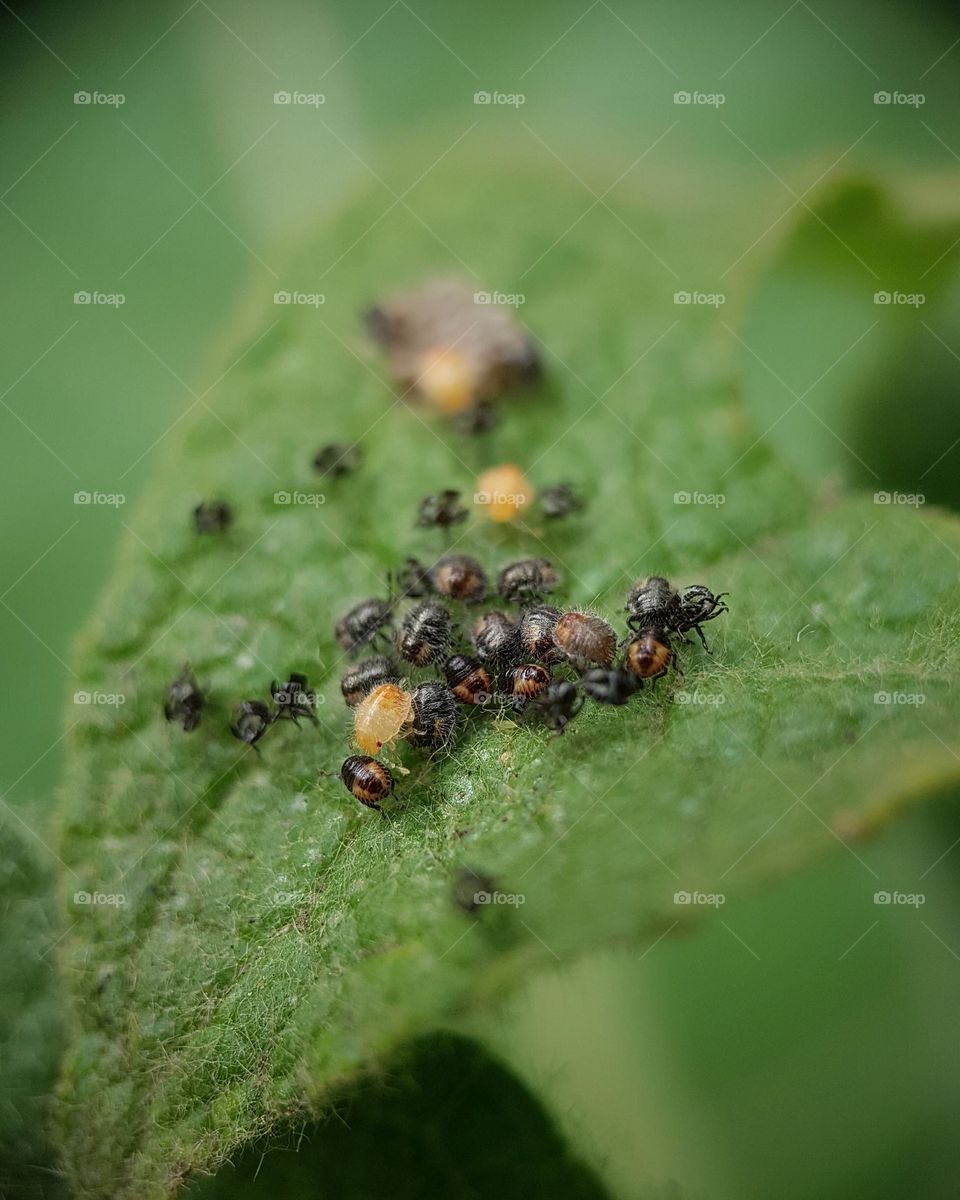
column 212, row 516
column 251, row 720
column 536, row 631
column 653, row 601
column 460, row 577
column 481, row 417
column 381, row 716
column 649, row 654
column 365, row 676
column 425, row 633
column 185, row 701
column 441, row 510
column 558, row 705
column 434, row 716
column 527, row 579
column 503, row 492
column 697, row 605
column 337, row 459
column 366, row 780
column 468, row 679
column 526, row 681
column 361, row 624
column 558, row 501
column 610, row 685
column 450, row 349
column 413, row 579
column 585, row 640
column 472, row 889
column 294, row 699
column 494, row 638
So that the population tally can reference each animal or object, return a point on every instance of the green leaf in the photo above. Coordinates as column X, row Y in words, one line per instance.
column 273, row 939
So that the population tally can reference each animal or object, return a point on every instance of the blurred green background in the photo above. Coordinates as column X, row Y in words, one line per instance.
column 795, row 1065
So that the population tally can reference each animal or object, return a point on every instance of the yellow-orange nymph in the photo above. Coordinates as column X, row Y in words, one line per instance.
column 504, row 492
column 381, row 717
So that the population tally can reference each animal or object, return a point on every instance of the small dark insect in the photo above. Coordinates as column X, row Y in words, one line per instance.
column 527, row 680
column 653, row 602
column 251, row 720
column 459, row 576
column 559, row 501
column 526, row 579
column 337, row 459
column 212, row 516
column 468, row 679
column 494, row 638
column 698, row 604
column 441, row 510
column 365, row 676
column 362, row 623
column 559, row 704
column 294, row 699
column 424, row 635
column 649, row 654
column 586, row 640
column 413, row 579
column 479, row 418
column 367, row 780
column 610, row 685
column 185, row 701
column 472, row 889
column 434, row 716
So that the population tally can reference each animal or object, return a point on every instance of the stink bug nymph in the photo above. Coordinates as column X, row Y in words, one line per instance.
column 360, row 625
column 536, row 633
column 649, row 654
column 424, row 634
column 527, row 579
column 527, row 680
column 251, row 720
column 494, row 638
column 698, row 604
column 367, row 780
column 586, row 641
column 294, row 699
column 559, row 704
column 460, row 577
column 365, row 676
column 185, row 701
column 468, row 679
column 653, row 601
column 434, row 716
column 610, row 685
column 441, row 510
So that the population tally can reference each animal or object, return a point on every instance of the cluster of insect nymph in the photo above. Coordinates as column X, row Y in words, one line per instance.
column 448, row 644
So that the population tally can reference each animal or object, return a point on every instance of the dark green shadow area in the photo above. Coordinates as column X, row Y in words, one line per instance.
column 445, row 1119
